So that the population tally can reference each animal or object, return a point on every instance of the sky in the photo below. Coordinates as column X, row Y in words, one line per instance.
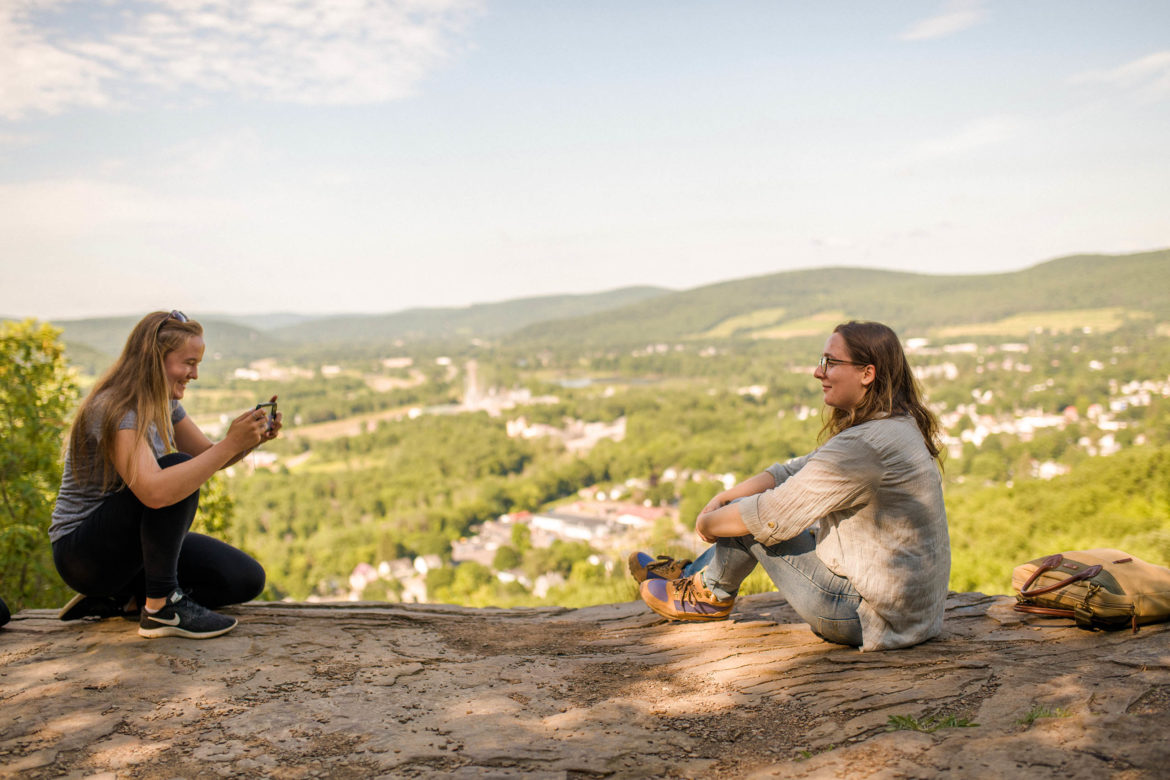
column 346, row 156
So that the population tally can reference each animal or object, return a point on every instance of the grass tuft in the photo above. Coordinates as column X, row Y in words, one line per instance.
column 1040, row 711
column 928, row 725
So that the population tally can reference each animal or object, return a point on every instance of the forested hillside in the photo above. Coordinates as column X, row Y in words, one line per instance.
column 914, row 304
column 96, row 342
column 774, row 306
column 1122, row 502
column 93, row 343
column 482, row 321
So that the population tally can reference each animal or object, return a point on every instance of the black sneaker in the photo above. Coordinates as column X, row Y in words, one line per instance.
column 82, row 606
column 183, row 617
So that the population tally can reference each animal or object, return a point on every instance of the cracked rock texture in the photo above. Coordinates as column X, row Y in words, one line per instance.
column 379, row 690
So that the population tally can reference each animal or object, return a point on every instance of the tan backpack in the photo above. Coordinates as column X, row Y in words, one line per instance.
column 1097, row 588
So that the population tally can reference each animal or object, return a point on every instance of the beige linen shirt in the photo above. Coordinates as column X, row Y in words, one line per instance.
column 877, row 494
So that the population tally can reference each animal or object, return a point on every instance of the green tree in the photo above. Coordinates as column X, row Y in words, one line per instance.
column 506, row 558
column 441, row 577
column 469, row 577
column 521, row 537
column 695, row 496
column 36, row 393
column 382, row 590
column 216, row 508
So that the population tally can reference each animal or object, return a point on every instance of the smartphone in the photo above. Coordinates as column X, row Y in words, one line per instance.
column 271, row 407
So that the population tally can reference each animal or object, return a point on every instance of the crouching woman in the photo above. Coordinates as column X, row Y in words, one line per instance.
column 133, row 468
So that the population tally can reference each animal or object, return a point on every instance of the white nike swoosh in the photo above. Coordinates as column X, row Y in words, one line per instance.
column 166, row 621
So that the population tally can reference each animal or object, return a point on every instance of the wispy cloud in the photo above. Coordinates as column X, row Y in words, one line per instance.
column 60, row 54
column 1148, row 77
column 955, row 16
column 38, row 76
column 215, row 154
column 16, row 139
column 82, row 206
column 980, row 134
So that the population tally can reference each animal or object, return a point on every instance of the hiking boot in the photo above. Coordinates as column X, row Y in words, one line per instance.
column 686, row 598
column 183, row 617
column 643, row 567
column 82, row 606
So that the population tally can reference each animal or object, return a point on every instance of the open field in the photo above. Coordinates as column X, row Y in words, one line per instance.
column 750, row 321
column 816, row 324
column 350, row 426
column 1098, row 320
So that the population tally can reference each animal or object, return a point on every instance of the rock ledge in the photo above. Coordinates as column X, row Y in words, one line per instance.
column 376, row 690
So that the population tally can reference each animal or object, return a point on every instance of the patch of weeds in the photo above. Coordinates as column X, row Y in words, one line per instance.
column 1040, row 711
column 805, row 755
column 928, row 725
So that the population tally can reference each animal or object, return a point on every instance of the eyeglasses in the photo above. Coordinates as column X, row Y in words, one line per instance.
column 828, row 362
column 175, row 315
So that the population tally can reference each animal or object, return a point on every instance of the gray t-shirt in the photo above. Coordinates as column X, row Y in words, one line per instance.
column 77, row 499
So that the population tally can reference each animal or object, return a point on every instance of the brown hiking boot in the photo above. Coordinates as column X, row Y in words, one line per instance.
column 643, row 567
column 685, row 599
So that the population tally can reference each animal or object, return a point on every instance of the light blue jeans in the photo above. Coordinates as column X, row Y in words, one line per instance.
column 824, row 600
column 700, row 562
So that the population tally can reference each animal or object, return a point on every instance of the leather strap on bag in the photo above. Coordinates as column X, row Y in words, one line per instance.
column 1050, row 611
column 1083, row 616
column 1052, row 562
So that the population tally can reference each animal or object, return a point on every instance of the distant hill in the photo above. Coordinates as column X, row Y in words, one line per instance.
column 95, row 342
column 800, row 302
column 267, row 321
column 98, row 341
column 784, row 305
column 482, row 320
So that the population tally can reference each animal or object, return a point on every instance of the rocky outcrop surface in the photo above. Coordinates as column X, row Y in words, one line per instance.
column 368, row 690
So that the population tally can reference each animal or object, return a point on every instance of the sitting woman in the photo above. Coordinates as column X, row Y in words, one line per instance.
column 133, row 468
column 853, row 534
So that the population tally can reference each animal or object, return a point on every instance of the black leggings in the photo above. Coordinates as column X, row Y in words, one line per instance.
column 125, row 548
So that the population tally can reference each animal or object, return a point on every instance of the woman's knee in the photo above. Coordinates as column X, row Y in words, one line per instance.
column 251, row 579
column 244, row 580
column 217, row 574
column 172, row 459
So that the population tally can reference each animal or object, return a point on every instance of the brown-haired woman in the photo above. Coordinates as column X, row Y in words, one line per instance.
column 133, row 468
column 853, row 534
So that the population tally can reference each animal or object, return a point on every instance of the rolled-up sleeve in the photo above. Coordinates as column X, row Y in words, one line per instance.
column 841, row 475
column 782, row 471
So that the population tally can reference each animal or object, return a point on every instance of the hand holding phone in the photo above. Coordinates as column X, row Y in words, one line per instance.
column 270, row 406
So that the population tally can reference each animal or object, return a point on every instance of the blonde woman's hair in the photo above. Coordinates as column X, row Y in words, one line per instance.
column 894, row 389
column 137, row 382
